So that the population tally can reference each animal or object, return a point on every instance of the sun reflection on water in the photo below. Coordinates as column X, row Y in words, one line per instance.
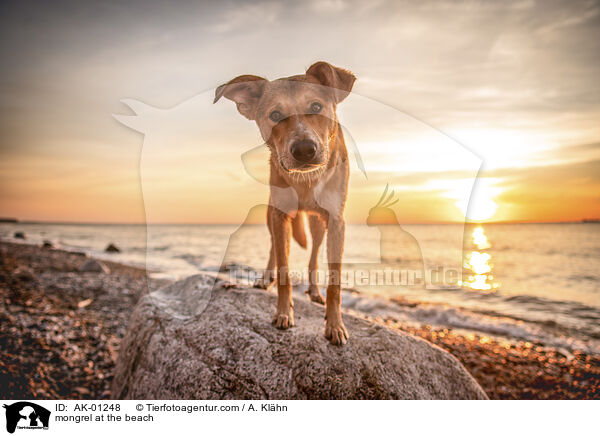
column 477, row 264
column 480, row 239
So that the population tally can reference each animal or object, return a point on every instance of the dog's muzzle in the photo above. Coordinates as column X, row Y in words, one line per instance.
column 304, row 151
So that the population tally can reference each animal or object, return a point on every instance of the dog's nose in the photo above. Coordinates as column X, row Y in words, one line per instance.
column 304, row 151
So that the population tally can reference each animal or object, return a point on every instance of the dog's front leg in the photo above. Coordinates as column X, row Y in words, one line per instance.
column 335, row 330
column 317, row 230
column 284, row 316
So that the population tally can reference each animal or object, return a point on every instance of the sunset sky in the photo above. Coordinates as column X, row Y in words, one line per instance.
column 511, row 87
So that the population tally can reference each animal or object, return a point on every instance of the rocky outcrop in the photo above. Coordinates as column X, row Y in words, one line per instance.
column 193, row 341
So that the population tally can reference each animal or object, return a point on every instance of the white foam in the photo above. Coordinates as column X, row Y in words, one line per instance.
column 443, row 316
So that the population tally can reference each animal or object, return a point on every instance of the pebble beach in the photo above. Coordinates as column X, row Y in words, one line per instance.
column 61, row 325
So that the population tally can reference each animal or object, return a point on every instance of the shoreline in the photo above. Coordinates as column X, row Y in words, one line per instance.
column 60, row 331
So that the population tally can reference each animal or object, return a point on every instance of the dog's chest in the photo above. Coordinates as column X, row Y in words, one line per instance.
column 320, row 195
column 307, row 199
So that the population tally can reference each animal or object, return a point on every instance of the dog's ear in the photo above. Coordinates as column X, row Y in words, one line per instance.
column 245, row 91
column 339, row 79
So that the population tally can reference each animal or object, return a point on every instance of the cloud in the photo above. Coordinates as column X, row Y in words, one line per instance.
column 247, row 17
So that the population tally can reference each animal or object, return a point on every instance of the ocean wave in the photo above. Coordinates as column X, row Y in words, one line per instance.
column 444, row 316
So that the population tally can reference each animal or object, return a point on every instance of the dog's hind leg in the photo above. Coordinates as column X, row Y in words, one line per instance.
column 317, row 231
column 268, row 276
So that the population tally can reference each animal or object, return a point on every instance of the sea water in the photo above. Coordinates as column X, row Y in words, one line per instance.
column 529, row 282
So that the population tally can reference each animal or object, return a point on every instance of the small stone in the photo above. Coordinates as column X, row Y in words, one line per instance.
column 47, row 244
column 82, row 390
column 24, row 274
column 84, row 303
column 78, row 253
column 19, row 235
column 93, row 265
column 112, row 248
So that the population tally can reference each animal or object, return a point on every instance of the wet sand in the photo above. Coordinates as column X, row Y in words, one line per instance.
column 60, row 331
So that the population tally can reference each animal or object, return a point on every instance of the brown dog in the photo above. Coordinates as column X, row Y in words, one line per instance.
column 309, row 174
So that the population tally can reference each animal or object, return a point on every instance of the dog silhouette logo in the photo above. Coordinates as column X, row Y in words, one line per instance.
column 26, row 415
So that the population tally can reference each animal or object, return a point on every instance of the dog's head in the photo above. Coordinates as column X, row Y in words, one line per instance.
column 296, row 115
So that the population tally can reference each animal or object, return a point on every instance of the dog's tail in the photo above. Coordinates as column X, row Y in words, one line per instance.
column 298, row 229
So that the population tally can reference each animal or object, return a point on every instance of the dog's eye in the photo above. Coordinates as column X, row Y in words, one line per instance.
column 315, row 108
column 275, row 116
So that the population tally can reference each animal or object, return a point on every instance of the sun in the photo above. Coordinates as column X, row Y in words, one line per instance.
column 478, row 209
column 481, row 205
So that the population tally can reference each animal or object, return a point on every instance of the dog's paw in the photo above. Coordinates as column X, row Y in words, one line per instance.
column 263, row 283
column 315, row 296
column 336, row 332
column 283, row 320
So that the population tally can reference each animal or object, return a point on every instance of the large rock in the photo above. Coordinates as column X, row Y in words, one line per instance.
column 188, row 342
